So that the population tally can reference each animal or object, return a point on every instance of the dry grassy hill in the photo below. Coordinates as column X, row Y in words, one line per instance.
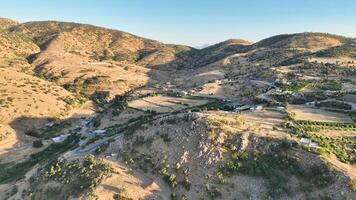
column 304, row 41
column 217, row 155
column 71, row 53
column 164, row 120
column 219, row 51
column 98, row 43
column 7, row 23
column 14, row 50
column 27, row 97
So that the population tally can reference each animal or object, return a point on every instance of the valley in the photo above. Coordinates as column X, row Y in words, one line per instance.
column 89, row 112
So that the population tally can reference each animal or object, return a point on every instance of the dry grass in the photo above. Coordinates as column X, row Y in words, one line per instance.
column 313, row 114
column 162, row 104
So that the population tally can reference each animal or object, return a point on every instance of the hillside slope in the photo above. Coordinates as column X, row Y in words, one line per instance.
column 7, row 23
column 26, row 97
column 93, row 113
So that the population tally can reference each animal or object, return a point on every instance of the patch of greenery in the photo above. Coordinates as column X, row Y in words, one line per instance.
column 55, row 129
column 121, row 195
column 331, row 85
column 121, row 101
column 327, row 125
column 342, row 147
column 93, row 139
column 334, row 105
column 340, row 51
column 276, row 166
column 171, row 179
column 213, row 105
column 78, row 177
column 96, row 122
column 294, row 87
column 130, row 57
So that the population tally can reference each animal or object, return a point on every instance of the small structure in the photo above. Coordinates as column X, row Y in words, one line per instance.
column 60, row 138
column 308, row 142
column 256, row 108
column 310, row 104
column 243, row 108
column 313, row 145
column 99, row 132
column 77, row 128
column 233, row 104
column 192, row 91
column 278, row 108
column 49, row 124
column 329, row 92
column 183, row 93
column 305, row 140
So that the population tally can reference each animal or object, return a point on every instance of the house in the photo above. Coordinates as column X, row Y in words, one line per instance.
column 60, row 138
column 191, row 92
column 329, row 92
column 311, row 104
column 183, row 93
column 99, row 132
column 49, row 124
column 278, row 108
column 256, row 108
column 243, row 108
column 305, row 140
column 308, row 142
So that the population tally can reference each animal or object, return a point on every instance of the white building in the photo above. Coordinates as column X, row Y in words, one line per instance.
column 308, row 142
column 99, row 132
column 60, row 138
column 49, row 124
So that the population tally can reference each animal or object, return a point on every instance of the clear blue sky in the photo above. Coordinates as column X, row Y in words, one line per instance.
column 195, row 22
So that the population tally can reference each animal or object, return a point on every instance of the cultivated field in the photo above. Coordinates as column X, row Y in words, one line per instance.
column 162, row 104
column 313, row 114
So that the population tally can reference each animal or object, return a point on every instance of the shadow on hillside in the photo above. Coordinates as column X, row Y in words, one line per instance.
column 29, row 128
column 111, row 188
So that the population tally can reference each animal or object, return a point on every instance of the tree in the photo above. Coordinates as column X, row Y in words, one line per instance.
column 37, row 143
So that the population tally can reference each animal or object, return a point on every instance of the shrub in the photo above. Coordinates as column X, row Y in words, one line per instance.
column 277, row 165
column 352, row 184
column 171, row 180
column 121, row 196
column 37, row 143
column 32, row 133
column 335, row 104
column 186, row 183
column 78, row 177
column 96, row 122
column 213, row 192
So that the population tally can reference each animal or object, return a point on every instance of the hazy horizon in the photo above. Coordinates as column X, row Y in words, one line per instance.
column 195, row 23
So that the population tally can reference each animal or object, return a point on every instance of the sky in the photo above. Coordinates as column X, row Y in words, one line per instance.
column 194, row 22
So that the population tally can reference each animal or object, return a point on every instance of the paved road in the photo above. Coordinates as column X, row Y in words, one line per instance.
column 79, row 152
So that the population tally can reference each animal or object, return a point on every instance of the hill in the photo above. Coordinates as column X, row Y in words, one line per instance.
column 26, row 97
column 71, row 53
column 98, row 43
column 304, row 41
column 7, row 23
column 348, row 51
column 88, row 112
column 14, row 49
column 219, row 51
